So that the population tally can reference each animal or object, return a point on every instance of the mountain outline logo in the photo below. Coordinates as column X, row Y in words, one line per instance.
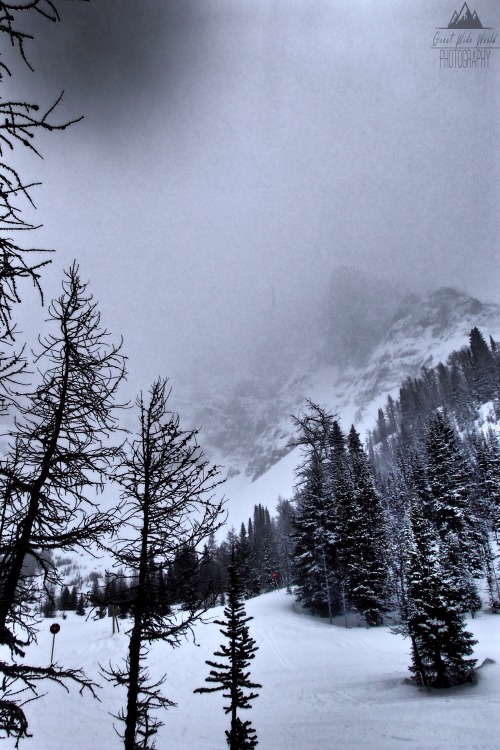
column 465, row 42
column 465, row 19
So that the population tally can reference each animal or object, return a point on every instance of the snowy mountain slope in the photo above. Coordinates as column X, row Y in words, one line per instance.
column 242, row 493
column 248, row 427
column 423, row 332
column 322, row 686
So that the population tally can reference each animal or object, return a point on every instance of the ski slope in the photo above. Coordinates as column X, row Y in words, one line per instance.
column 323, row 686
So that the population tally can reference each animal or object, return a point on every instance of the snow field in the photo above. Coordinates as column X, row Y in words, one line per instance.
column 323, row 686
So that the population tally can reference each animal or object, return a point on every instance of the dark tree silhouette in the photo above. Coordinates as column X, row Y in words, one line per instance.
column 232, row 675
column 19, row 123
column 59, row 455
column 169, row 506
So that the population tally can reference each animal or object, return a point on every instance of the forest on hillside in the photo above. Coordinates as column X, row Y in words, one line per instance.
column 402, row 531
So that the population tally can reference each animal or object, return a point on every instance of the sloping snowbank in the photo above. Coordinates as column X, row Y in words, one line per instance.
column 323, row 686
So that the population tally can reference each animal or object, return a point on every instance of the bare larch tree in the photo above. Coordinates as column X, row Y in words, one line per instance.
column 168, row 490
column 60, row 452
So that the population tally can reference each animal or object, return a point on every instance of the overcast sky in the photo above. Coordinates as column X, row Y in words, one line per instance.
column 233, row 152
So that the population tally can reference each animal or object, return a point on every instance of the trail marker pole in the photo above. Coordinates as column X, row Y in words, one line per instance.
column 54, row 629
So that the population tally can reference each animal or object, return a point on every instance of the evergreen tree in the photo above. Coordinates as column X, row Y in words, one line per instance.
column 484, row 367
column 366, row 539
column 395, row 495
column 209, row 574
column 315, row 536
column 486, row 451
column 262, row 554
column 49, row 605
column 73, row 599
column 461, row 397
column 243, row 553
column 393, row 415
column 449, row 479
column 232, row 675
column 340, row 486
column 315, row 546
column 432, row 618
column 80, row 609
column 284, row 530
column 184, row 577
column 487, row 464
column 65, row 599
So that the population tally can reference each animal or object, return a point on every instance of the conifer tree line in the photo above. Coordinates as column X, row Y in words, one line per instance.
column 435, row 454
column 199, row 575
column 341, row 539
column 431, row 445
column 405, row 531
column 409, row 527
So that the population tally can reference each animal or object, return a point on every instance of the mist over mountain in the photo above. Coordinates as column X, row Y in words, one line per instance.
column 359, row 309
column 362, row 337
column 232, row 153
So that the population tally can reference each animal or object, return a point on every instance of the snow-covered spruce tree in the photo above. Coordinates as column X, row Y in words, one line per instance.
column 399, row 476
column 209, row 575
column 315, row 538
column 432, row 617
column 486, row 452
column 262, row 551
column 394, row 493
column 315, row 545
column 487, row 467
column 341, row 487
column 366, row 539
column 461, row 535
column 232, row 675
column 168, row 506
column 244, row 555
column 59, row 455
column 484, row 368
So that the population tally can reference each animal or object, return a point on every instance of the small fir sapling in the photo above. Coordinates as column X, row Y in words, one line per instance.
column 232, row 675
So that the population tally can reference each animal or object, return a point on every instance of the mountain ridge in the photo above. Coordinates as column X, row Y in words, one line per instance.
column 248, row 427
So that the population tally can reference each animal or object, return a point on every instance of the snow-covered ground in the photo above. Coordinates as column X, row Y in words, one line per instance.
column 323, row 686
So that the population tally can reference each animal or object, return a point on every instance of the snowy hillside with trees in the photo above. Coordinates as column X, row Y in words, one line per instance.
column 355, row 359
column 356, row 588
column 394, row 544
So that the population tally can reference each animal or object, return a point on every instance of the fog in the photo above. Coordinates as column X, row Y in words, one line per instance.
column 233, row 153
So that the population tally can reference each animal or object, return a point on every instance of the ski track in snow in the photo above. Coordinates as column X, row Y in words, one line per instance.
column 322, row 685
